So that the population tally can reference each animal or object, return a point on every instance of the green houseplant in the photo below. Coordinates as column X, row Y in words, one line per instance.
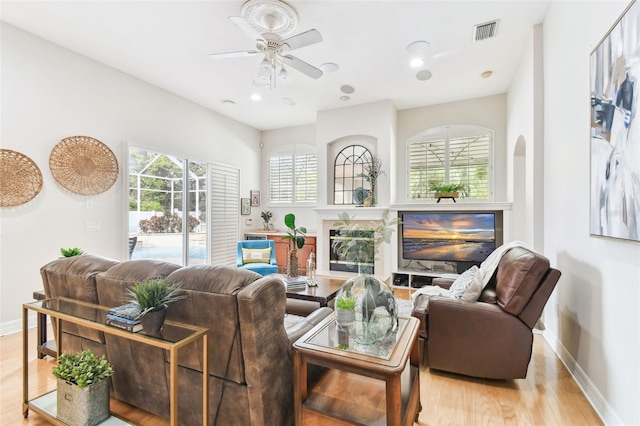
column 295, row 236
column 153, row 297
column 448, row 189
column 266, row 219
column 83, row 388
column 70, row 252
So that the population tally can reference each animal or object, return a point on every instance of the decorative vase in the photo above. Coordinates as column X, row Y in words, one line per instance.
column 293, row 270
column 152, row 321
column 266, row 226
column 376, row 316
column 87, row 406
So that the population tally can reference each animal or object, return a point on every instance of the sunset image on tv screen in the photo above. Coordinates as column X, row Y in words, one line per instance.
column 461, row 237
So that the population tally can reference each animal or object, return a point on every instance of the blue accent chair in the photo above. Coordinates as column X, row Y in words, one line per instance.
column 260, row 268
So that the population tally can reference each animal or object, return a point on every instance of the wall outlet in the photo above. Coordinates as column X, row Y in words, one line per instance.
column 89, row 204
column 92, row 227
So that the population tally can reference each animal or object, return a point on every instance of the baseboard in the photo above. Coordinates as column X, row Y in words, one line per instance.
column 15, row 326
column 590, row 391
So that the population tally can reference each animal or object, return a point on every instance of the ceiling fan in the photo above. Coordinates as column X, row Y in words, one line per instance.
column 267, row 22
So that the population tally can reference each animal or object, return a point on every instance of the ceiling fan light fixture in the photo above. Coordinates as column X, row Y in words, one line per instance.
column 265, row 66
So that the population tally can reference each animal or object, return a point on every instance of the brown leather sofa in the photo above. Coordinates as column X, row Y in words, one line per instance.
column 492, row 337
column 250, row 356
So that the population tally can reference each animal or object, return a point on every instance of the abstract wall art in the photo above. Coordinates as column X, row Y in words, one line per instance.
column 615, row 130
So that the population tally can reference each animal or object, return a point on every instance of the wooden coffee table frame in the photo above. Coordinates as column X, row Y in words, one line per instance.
column 400, row 409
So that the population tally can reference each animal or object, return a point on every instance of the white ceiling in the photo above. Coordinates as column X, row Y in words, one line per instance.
column 167, row 43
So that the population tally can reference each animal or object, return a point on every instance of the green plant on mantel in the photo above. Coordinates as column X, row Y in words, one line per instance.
column 82, row 369
column 442, row 188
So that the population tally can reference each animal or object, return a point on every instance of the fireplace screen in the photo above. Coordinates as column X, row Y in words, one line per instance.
column 339, row 263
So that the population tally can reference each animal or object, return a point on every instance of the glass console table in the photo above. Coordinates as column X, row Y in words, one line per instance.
column 172, row 337
column 395, row 361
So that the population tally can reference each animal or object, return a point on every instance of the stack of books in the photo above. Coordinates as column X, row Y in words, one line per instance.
column 126, row 317
column 296, row 283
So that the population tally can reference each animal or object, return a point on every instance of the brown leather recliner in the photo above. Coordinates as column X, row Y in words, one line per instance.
column 492, row 337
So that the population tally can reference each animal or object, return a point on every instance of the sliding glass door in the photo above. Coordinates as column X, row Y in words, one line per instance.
column 162, row 188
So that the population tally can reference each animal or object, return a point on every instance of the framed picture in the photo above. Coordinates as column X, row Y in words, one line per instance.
column 255, row 198
column 615, row 130
column 245, row 206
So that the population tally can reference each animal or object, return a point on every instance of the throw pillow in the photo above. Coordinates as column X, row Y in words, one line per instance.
column 256, row 255
column 472, row 293
column 462, row 283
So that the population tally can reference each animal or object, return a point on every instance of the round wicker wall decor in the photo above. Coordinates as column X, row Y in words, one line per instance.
column 83, row 165
column 20, row 178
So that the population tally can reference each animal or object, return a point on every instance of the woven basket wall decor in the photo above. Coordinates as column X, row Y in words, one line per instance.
column 20, row 178
column 83, row 165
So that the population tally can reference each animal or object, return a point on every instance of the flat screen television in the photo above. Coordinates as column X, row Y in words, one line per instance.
column 466, row 238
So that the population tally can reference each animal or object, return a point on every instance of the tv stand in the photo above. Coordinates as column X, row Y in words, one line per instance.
column 416, row 279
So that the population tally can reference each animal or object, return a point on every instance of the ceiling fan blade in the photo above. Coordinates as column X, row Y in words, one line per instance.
column 303, row 39
column 228, row 55
column 302, row 66
column 247, row 28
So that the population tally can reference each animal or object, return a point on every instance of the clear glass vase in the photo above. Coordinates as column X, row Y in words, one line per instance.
column 376, row 316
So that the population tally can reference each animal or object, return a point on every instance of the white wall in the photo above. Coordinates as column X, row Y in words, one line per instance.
column 594, row 322
column 489, row 112
column 49, row 93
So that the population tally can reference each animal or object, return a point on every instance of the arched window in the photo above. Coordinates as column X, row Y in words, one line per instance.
column 348, row 186
column 451, row 154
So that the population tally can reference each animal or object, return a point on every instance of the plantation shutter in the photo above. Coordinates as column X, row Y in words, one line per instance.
column 225, row 199
column 440, row 158
column 293, row 176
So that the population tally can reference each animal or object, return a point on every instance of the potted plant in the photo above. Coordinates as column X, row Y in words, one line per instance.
column 83, row 388
column 70, row 252
column 153, row 296
column 451, row 190
column 345, row 310
column 296, row 238
column 266, row 219
column 371, row 172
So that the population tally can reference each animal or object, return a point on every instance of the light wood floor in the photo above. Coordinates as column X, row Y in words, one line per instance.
column 548, row 396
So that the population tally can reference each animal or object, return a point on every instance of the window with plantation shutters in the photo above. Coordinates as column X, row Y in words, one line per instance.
column 293, row 175
column 452, row 154
column 224, row 196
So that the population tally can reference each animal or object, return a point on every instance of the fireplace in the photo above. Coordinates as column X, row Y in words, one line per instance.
column 339, row 263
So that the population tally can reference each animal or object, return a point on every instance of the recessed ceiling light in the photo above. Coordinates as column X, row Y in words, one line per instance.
column 416, row 62
column 228, row 102
column 424, row 75
column 288, row 101
column 418, row 47
column 329, row 67
column 344, row 98
column 486, row 74
column 256, row 97
column 347, row 89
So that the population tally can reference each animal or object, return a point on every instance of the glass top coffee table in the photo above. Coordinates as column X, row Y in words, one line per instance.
column 394, row 361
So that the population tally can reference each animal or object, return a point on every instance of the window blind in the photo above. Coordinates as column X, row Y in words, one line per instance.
column 224, row 199
column 293, row 176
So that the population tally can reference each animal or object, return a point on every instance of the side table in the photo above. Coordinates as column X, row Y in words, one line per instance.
column 395, row 362
column 43, row 346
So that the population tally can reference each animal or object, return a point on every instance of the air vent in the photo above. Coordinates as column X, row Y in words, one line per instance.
column 485, row 31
